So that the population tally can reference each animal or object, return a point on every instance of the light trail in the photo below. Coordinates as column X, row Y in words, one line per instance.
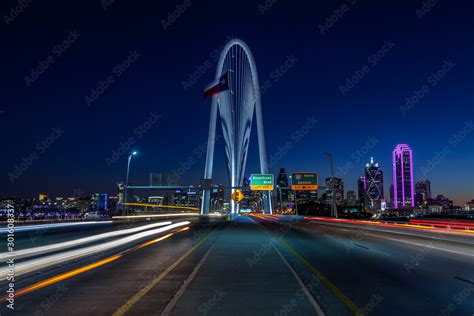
column 445, row 224
column 402, row 225
column 162, row 206
column 50, row 226
column 156, row 216
column 442, row 227
column 69, row 244
column 88, row 267
column 55, row 259
column 259, row 216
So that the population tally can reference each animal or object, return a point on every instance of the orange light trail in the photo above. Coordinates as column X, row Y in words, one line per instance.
column 64, row 276
column 88, row 267
column 415, row 226
column 162, row 206
column 429, row 225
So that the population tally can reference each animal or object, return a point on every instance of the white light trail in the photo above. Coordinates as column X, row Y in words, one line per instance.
column 49, row 226
column 55, row 259
column 18, row 254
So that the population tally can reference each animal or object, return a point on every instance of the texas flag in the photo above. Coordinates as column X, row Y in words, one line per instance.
column 217, row 86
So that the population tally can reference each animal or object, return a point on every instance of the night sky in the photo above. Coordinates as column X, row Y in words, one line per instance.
column 60, row 136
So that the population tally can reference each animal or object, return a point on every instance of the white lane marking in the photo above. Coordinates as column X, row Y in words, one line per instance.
column 313, row 302
column 379, row 252
column 311, row 299
column 179, row 294
column 422, row 245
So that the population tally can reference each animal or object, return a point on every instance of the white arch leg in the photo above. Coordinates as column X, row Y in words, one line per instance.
column 206, row 195
column 267, row 196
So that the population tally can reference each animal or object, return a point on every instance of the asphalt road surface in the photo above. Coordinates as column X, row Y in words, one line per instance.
column 253, row 267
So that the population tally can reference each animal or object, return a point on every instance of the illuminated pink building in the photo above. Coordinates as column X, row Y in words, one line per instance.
column 403, row 189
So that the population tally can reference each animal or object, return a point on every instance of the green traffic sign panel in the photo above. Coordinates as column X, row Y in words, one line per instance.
column 261, row 182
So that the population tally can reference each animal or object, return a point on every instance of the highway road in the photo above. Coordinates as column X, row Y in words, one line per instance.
column 250, row 266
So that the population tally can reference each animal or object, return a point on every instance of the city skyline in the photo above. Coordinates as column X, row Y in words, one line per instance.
column 307, row 82
column 348, row 185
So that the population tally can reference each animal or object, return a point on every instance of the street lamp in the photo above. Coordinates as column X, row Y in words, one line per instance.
column 334, row 208
column 281, row 200
column 133, row 153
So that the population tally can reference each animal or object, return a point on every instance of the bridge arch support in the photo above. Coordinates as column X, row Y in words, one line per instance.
column 236, row 107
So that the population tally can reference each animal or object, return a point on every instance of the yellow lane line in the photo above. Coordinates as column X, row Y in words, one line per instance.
column 339, row 294
column 131, row 302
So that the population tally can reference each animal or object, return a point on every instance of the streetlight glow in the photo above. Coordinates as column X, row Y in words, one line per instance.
column 134, row 153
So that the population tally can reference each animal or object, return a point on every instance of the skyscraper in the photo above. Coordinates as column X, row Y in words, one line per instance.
column 423, row 187
column 361, row 189
column 282, row 182
column 403, row 189
column 335, row 185
column 99, row 202
column 374, row 181
column 351, row 198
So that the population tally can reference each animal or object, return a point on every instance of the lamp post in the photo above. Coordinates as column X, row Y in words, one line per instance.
column 334, row 208
column 133, row 153
column 281, row 202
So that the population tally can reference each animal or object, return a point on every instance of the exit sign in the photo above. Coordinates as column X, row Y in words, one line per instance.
column 304, row 181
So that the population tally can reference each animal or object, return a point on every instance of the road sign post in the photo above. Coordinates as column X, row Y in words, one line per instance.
column 296, row 204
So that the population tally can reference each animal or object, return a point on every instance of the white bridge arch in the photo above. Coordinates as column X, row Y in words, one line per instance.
column 236, row 107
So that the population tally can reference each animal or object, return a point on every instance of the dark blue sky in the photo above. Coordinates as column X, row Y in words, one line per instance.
column 154, row 83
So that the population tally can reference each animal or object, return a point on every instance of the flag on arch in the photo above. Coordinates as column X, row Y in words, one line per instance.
column 217, row 86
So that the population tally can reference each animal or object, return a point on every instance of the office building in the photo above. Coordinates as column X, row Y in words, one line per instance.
column 423, row 187
column 361, row 189
column 283, row 184
column 403, row 188
column 335, row 186
column 351, row 199
column 374, row 183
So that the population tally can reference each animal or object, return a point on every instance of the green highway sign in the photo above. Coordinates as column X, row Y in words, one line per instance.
column 261, row 182
column 304, row 181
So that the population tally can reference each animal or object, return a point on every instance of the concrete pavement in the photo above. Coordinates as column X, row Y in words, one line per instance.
column 254, row 267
